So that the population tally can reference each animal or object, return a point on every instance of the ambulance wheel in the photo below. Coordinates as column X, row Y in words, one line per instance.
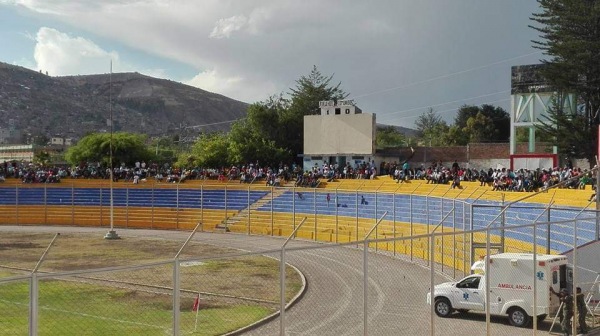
column 443, row 308
column 518, row 317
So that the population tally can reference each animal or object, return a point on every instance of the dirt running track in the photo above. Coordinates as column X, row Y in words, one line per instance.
column 333, row 302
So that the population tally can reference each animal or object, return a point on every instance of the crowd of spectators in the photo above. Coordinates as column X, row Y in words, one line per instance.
column 500, row 179
column 141, row 172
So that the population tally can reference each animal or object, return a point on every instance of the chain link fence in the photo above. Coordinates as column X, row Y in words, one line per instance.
column 385, row 253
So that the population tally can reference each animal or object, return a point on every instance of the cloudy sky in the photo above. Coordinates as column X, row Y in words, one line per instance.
column 396, row 58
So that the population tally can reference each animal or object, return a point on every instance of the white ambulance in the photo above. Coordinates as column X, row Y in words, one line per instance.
column 511, row 288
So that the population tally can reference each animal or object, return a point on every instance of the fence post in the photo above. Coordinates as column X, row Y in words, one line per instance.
column 430, row 260
column 176, row 299
column 177, row 207
column 315, row 208
column 282, row 292
column 46, row 203
column 100, row 199
column 487, row 281
column 377, row 227
column 365, row 287
column 442, row 236
column 33, row 304
column 535, row 298
column 502, row 224
column 202, row 204
column 356, row 201
column 17, row 203
column 72, row 203
column 127, row 207
column 394, row 219
column 453, row 239
column 272, row 215
column 152, row 209
column 472, row 235
column 249, row 212
column 410, row 222
column 293, row 207
column 464, row 249
column 575, row 278
column 548, row 233
column 226, row 214
column 427, row 219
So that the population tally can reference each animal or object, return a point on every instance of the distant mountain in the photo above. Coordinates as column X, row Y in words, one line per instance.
column 408, row 132
column 73, row 106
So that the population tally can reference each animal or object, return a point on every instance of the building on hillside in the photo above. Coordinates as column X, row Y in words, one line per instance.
column 60, row 141
column 340, row 134
column 9, row 153
column 11, row 134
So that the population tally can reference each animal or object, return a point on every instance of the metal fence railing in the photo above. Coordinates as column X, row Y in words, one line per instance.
column 385, row 252
column 351, row 290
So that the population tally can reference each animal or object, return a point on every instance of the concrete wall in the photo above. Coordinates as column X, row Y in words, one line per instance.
column 589, row 266
column 332, row 135
column 475, row 156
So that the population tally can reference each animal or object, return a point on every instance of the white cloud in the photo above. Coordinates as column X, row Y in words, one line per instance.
column 224, row 27
column 256, row 48
column 235, row 87
column 61, row 54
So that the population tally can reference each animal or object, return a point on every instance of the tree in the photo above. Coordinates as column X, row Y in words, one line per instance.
column 483, row 124
column 261, row 135
column 480, row 128
column 427, row 121
column 165, row 148
column 304, row 100
column 570, row 131
column 210, row 151
column 42, row 158
column 569, row 33
column 438, row 135
column 127, row 148
column 389, row 136
column 39, row 139
column 432, row 129
column 456, row 136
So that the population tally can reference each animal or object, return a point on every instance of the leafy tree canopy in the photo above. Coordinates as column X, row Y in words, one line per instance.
column 428, row 122
column 389, row 136
column 484, row 123
column 570, row 131
column 304, row 100
column 210, row 150
column 127, row 148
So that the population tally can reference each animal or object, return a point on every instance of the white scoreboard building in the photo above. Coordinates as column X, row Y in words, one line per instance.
column 340, row 134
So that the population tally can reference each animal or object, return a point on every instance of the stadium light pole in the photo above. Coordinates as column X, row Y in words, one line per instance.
column 111, row 234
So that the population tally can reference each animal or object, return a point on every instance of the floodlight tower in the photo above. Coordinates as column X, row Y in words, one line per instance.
column 531, row 98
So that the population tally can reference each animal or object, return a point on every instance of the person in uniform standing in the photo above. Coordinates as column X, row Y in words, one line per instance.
column 581, row 311
column 566, row 300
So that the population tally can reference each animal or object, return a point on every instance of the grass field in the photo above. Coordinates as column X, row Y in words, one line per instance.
column 234, row 292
